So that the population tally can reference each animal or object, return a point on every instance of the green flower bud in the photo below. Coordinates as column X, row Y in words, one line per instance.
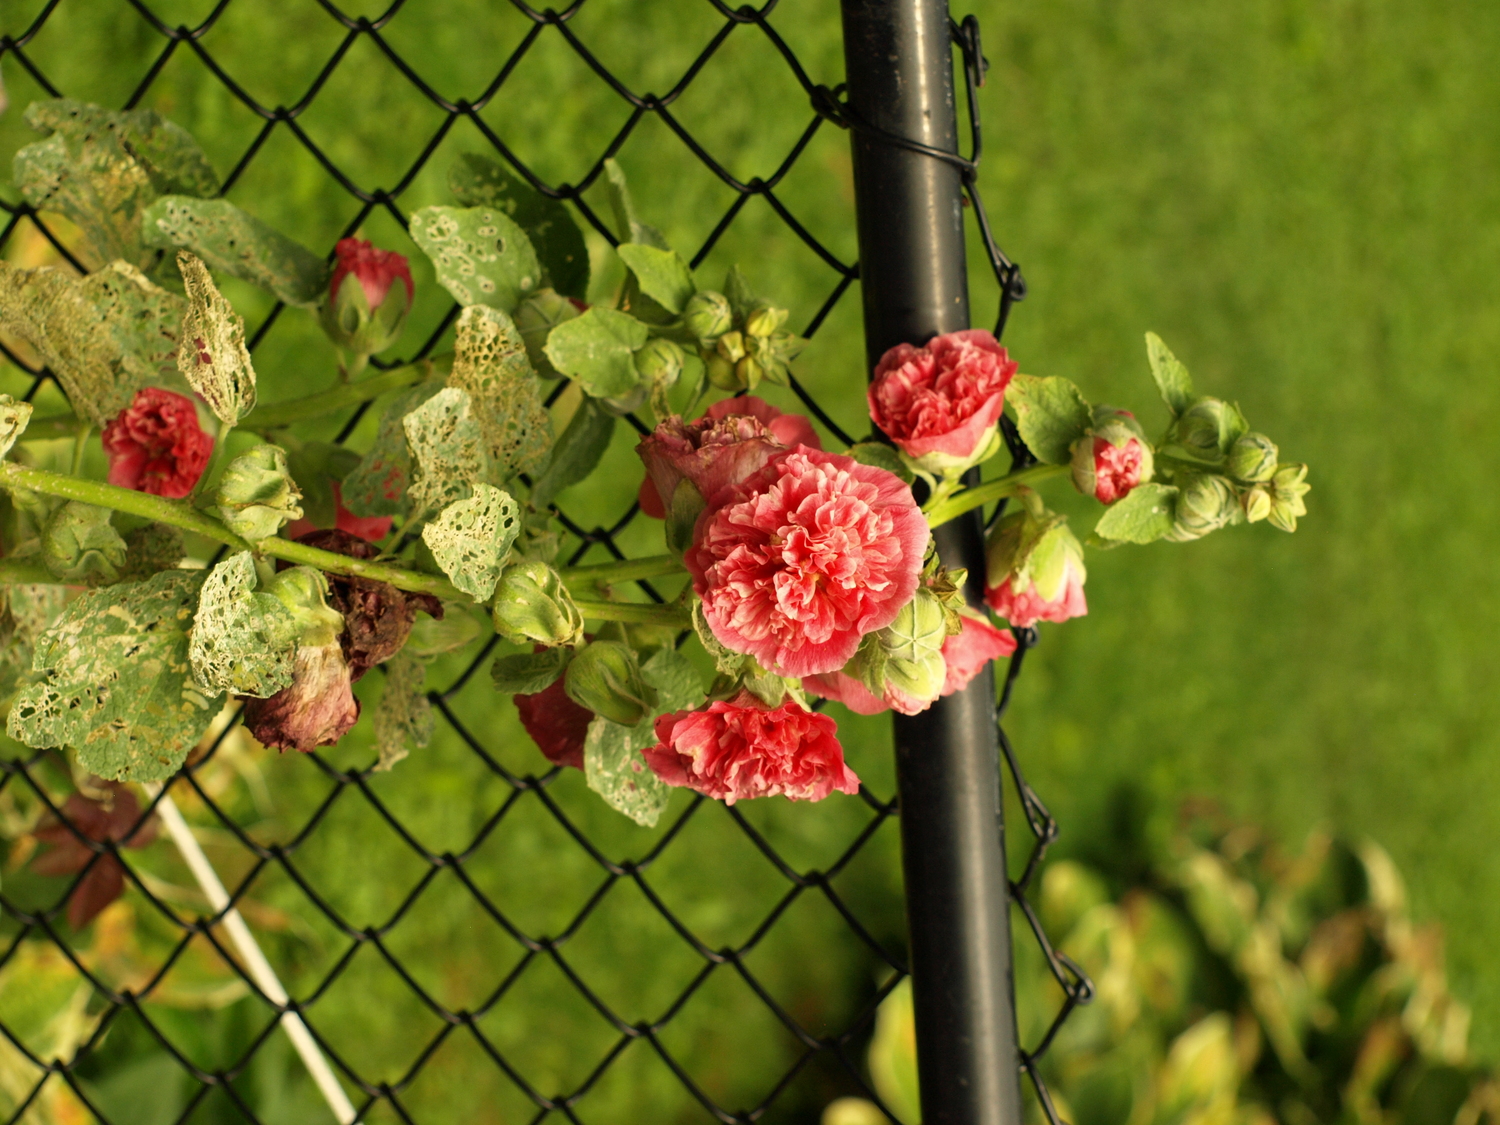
column 303, row 590
column 362, row 274
column 1207, row 429
column 605, row 677
column 535, row 318
column 731, row 346
column 1253, row 458
column 659, row 362
column 79, row 544
column 764, row 320
column 720, row 372
column 1288, row 487
column 920, row 679
column 707, row 315
column 257, row 495
column 919, row 629
column 1206, row 503
column 532, row 606
column 1256, row 504
column 749, row 372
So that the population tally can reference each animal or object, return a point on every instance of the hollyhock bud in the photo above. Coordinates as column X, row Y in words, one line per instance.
column 156, row 445
column 1113, row 457
column 80, row 545
column 912, row 646
column 659, row 362
column 605, row 677
column 1204, row 429
column 532, row 606
column 941, row 403
column 764, row 320
column 362, row 314
column 256, row 493
column 723, row 360
column 1253, row 458
column 555, row 723
column 1288, row 487
column 737, row 749
column 707, row 315
column 535, row 318
column 1205, row 503
column 799, row 561
column 1256, row 503
column 1034, row 569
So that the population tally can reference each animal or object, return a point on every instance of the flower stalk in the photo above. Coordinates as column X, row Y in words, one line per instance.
column 966, row 501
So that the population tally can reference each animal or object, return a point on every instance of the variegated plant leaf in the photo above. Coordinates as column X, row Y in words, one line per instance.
column 490, row 364
column 480, row 254
column 241, row 641
column 240, row 245
column 471, row 538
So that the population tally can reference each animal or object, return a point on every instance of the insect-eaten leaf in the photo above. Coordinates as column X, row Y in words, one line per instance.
column 1172, row 378
column 381, row 483
column 1144, row 516
column 448, row 447
column 490, row 363
column 403, row 717
column 598, row 350
column 238, row 243
column 212, row 356
column 242, row 642
column 1051, row 414
column 480, row 254
column 477, row 181
column 663, row 275
column 471, row 538
column 117, row 685
column 14, row 417
column 104, row 336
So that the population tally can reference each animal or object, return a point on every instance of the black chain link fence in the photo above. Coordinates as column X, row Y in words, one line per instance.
column 836, row 1052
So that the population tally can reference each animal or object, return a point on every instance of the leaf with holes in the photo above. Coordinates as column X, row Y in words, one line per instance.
column 477, row 181
column 472, row 537
column 104, row 336
column 1051, row 414
column 14, row 417
column 598, row 349
column 213, row 357
column 490, row 363
column 448, row 447
column 663, row 275
column 116, row 680
column 403, row 717
column 479, row 254
column 241, row 642
column 238, row 243
column 380, row 484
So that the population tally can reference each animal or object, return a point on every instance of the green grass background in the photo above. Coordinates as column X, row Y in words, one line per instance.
column 1301, row 196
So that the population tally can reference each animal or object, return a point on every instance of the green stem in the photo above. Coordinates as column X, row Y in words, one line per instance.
column 653, row 566
column 80, row 446
column 278, row 414
column 24, row 572
column 215, row 462
column 636, row 613
column 401, row 578
column 972, row 498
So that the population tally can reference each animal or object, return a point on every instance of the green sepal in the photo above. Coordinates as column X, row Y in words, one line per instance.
column 239, row 244
column 882, row 456
column 526, row 673
column 471, row 538
column 1172, row 378
column 242, row 641
column 598, row 350
column 81, row 546
column 682, row 516
column 477, row 181
column 576, row 453
column 1051, row 414
column 662, row 275
column 256, row 494
column 481, row 256
column 1143, row 516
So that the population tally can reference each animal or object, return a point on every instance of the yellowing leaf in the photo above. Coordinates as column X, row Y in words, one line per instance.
column 490, row 364
column 472, row 537
column 242, row 641
column 213, row 357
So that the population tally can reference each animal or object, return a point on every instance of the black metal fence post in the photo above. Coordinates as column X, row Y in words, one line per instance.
column 898, row 55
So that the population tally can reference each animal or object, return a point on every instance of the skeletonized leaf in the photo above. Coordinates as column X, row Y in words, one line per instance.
column 479, row 253
column 25, row 613
column 1172, row 378
column 480, row 182
column 663, row 275
column 448, row 446
column 490, row 363
column 598, row 349
column 238, row 243
column 472, row 537
column 104, row 336
column 403, row 717
column 118, row 687
column 241, row 642
column 1051, row 414
column 212, row 357
column 14, row 417
column 577, row 452
column 1144, row 516
column 380, row 484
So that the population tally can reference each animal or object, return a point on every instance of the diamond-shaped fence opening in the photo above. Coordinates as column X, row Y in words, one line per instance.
column 466, row 938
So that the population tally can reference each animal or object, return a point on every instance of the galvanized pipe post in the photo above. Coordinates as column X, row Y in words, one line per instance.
column 899, row 62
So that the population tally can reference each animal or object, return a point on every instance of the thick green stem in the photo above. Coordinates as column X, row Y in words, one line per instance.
column 653, row 566
column 278, row 414
column 80, row 446
column 215, row 462
column 972, row 498
column 635, row 613
column 399, row 577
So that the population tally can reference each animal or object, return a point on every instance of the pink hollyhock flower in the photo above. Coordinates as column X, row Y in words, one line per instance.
column 375, row 270
column 939, row 403
column 798, row 562
column 370, row 528
column 1117, row 469
column 1032, row 604
column 1113, row 458
column 741, row 748
column 556, row 724
column 732, row 440
column 967, row 652
column 111, row 820
column 155, row 444
column 852, row 693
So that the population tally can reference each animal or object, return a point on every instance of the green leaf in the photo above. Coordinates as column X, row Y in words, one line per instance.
column 577, row 452
column 742, row 299
column 80, row 545
column 434, row 636
column 240, row 245
column 526, row 673
column 155, row 547
column 675, row 680
column 480, row 182
column 1172, row 378
column 472, row 537
column 105, row 336
column 882, row 456
column 1051, row 415
column 14, row 417
column 614, row 768
column 481, row 256
column 380, row 485
column 117, row 687
column 102, row 169
column 448, row 447
column 403, row 717
column 1144, row 516
column 726, row 660
column 598, row 350
column 663, row 275
column 490, row 363
column 241, row 642
column 628, row 226
column 212, row 356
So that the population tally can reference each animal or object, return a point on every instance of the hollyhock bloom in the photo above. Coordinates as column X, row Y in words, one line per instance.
column 155, row 444
column 967, row 652
column 1117, row 469
column 316, row 710
column 556, row 724
column 732, row 440
column 940, row 403
column 111, row 820
column 801, row 560
column 741, row 748
column 375, row 270
column 369, row 528
column 852, row 693
column 1113, row 457
column 361, row 314
column 1026, row 608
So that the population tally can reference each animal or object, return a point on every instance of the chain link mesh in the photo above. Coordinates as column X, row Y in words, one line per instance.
column 278, row 867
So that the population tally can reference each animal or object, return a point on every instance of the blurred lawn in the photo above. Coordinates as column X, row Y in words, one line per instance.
column 1301, row 196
